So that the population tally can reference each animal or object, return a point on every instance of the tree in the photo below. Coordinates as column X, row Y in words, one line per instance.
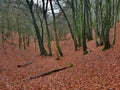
column 58, row 49
column 41, row 46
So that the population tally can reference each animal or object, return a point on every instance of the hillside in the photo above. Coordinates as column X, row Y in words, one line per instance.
column 98, row 70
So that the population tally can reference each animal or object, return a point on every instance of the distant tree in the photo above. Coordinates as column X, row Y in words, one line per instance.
column 45, row 9
column 69, row 25
column 58, row 49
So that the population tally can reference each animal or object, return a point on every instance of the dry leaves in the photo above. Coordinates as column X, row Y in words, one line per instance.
column 97, row 70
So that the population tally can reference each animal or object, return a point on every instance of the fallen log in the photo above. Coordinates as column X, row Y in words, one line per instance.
column 26, row 64
column 52, row 71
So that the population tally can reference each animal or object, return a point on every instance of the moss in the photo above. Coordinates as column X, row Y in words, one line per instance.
column 70, row 65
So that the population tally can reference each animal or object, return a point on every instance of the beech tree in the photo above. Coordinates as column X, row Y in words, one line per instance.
column 58, row 49
column 41, row 46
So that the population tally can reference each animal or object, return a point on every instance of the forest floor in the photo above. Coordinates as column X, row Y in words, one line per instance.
column 98, row 70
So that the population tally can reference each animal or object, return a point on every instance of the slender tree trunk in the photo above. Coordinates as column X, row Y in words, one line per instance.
column 42, row 29
column 70, row 28
column 84, row 28
column 58, row 49
column 2, row 29
column 46, row 22
column 75, row 29
column 115, row 14
column 19, row 32
column 41, row 46
column 106, row 42
column 107, row 25
column 35, row 44
column 24, row 41
column 88, row 20
column 28, row 40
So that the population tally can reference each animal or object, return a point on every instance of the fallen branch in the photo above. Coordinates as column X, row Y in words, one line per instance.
column 26, row 64
column 50, row 72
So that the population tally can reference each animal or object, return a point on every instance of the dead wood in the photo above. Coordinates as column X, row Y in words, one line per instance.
column 49, row 72
column 26, row 64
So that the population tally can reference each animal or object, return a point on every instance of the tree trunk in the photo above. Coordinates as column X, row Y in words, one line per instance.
column 75, row 29
column 48, row 33
column 58, row 49
column 83, row 30
column 41, row 46
column 106, row 43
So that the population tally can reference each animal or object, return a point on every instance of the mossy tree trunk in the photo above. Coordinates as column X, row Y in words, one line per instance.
column 107, row 24
column 41, row 46
column 116, row 11
column 58, row 49
column 70, row 28
column 75, row 29
column 2, row 29
column 18, row 29
column 46, row 23
column 83, row 3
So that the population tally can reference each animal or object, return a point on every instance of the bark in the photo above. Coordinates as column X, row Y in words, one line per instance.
column 83, row 30
column 75, row 30
column 46, row 22
column 41, row 46
column 24, row 41
column 19, row 32
column 58, row 49
column 107, row 25
column 70, row 28
column 106, row 43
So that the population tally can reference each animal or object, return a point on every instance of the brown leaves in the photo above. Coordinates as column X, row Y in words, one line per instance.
column 95, row 71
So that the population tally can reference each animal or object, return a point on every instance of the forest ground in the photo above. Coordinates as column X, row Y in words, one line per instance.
column 98, row 70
